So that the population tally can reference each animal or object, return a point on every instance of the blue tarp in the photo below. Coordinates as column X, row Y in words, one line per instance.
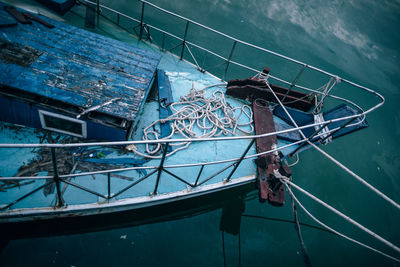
column 302, row 118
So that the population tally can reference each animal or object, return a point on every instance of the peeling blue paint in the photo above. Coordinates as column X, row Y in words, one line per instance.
column 79, row 68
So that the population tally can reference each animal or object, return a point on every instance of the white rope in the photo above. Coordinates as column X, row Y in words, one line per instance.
column 196, row 113
column 336, row 232
column 326, row 90
column 264, row 77
column 294, row 163
column 350, row 172
column 347, row 218
column 379, row 193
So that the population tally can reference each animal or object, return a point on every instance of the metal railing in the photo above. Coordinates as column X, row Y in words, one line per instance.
column 58, row 178
column 144, row 30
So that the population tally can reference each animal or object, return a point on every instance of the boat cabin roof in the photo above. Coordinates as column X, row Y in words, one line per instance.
column 74, row 66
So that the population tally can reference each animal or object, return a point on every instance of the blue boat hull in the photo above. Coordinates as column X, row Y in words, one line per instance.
column 73, row 224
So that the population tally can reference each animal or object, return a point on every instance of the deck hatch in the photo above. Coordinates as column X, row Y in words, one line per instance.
column 63, row 124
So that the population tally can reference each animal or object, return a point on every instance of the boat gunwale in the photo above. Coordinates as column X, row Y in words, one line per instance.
column 167, row 141
column 133, row 142
column 23, row 214
column 239, row 41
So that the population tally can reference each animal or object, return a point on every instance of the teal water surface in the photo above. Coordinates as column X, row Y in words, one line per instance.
column 358, row 40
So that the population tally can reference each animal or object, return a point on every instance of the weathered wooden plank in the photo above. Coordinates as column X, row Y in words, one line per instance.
column 254, row 88
column 264, row 123
column 37, row 19
column 269, row 167
column 17, row 15
column 81, row 68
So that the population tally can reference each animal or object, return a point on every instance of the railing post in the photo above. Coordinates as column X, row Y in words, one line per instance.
column 117, row 19
column 56, row 177
column 160, row 168
column 141, row 22
column 98, row 11
column 294, row 81
column 298, row 76
column 198, row 176
column 184, row 39
column 229, row 58
column 241, row 159
column 108, row 185
column 163, row 42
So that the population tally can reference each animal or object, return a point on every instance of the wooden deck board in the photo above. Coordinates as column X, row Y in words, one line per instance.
column 79, row 68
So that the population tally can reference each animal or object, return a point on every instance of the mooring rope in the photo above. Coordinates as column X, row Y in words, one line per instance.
column 379, row 193
column 306, row 257
column 287, row 183
column 353, row 174
column 196, row 116
column 326, row 89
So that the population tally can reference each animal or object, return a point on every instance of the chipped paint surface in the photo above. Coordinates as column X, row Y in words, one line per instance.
column 119, row 205
column 77, row 67
column 58, row 75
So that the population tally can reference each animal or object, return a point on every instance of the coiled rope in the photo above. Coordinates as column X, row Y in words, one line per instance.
column 196, row 116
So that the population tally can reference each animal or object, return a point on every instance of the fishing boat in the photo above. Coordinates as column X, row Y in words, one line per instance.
column 98, row 133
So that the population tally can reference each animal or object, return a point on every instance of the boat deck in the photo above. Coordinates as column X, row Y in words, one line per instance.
column 69, row 70
column 87, row 70
column 86, row 194
column 182, row 76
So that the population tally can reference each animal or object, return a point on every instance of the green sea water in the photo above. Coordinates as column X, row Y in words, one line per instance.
column 358, row 40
